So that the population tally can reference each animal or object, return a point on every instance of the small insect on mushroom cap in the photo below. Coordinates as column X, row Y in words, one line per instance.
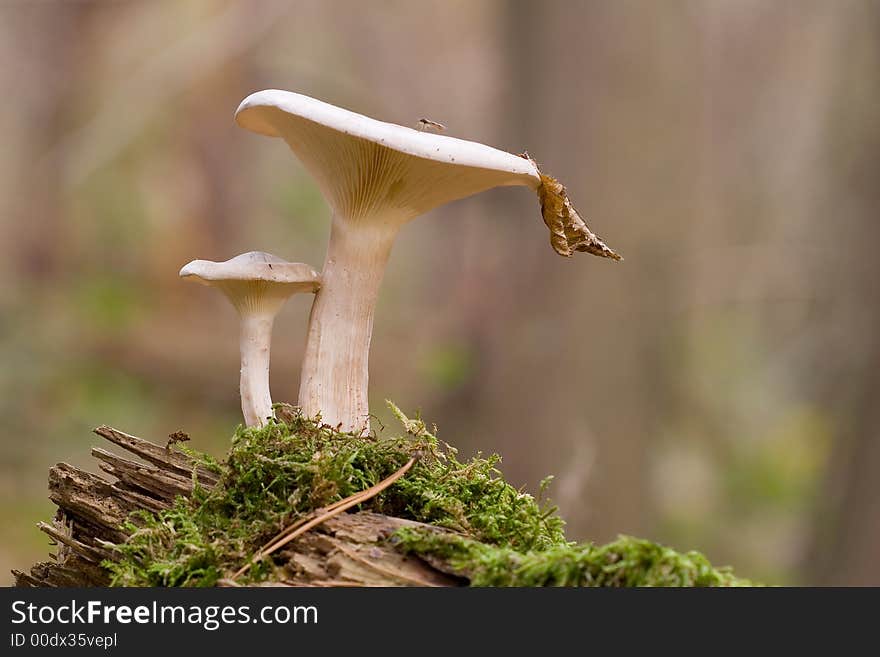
column 431, row 126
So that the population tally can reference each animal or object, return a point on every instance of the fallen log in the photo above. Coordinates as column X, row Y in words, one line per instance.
column 347, row 550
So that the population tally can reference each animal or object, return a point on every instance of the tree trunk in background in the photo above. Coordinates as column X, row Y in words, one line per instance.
column 846, row 535
column 845, row 551
column 37, row 209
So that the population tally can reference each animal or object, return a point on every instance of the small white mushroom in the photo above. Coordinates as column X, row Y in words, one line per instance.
column 257, row 284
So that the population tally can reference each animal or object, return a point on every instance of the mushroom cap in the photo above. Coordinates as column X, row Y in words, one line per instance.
column 255, row 280
column 253, row 266
column 367, row 168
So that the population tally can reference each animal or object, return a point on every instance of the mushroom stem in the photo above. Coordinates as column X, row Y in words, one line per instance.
column 334, row 372
column 256, row 338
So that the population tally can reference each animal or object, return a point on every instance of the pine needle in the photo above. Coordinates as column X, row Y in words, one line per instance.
column 303, row 525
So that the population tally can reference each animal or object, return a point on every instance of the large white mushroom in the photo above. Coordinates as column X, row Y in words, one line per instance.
column 257, row 284
column 376, row 177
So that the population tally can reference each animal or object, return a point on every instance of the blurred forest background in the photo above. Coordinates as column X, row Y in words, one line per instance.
column 718, row 390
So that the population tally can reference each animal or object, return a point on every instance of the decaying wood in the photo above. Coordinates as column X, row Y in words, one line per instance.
column 163, row 457
column 352, row 549
column 349, row 549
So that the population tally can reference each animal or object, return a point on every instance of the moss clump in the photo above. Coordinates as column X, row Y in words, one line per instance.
column 276, row 474
column 625, row 562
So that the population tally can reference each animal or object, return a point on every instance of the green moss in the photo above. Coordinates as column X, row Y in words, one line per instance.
column 276, row 474
column 625, row 562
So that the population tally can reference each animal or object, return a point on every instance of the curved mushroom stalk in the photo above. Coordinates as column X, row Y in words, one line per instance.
column 376, row 177
column 254, row 345
column 257, row 284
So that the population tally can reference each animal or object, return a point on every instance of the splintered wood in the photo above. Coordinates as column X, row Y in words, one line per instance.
column 350, row 549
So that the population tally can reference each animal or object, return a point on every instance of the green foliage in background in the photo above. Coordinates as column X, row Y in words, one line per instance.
column 748, row 448
column 275, row 475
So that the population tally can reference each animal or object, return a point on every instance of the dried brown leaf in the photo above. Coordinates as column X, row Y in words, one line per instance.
column 568, row 232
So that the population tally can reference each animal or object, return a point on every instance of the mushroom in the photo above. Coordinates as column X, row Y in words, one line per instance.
column 376, row 177
column 257, row 284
